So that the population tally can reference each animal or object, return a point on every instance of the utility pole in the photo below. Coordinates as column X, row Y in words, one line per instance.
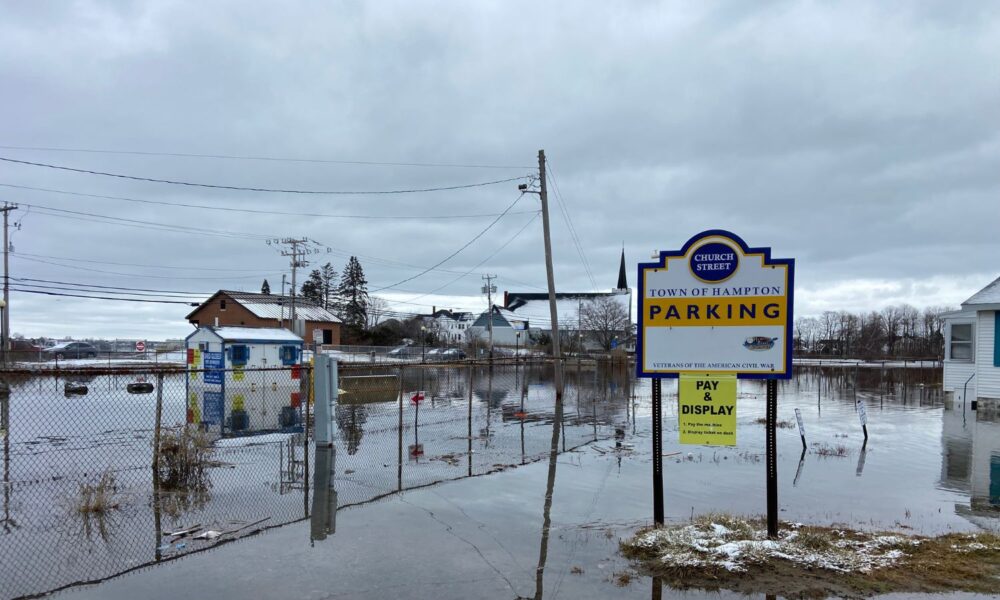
column 488, row 289
column 554, row 314
column 297, row 254
column 5, row 333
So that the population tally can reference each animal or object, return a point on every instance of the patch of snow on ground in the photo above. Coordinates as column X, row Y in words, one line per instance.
column 712, row 544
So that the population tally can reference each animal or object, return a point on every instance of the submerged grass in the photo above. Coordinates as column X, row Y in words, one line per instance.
column 717, row 551
column 99, row 497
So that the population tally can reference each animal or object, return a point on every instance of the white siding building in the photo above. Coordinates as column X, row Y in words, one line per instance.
column 972, row 346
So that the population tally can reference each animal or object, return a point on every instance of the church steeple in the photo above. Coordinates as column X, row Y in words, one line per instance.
column 622, row 281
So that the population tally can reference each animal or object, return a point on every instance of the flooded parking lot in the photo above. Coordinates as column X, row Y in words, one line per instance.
column 928, row 467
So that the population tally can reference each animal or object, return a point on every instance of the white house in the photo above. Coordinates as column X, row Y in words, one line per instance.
column 448, row 326
column 972, row 346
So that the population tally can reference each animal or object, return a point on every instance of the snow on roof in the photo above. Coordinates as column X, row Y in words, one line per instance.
column 267, row 334
column 272, row 306
column 568, row 308
column 988, row 295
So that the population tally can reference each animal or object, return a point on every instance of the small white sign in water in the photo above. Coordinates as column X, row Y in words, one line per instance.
column 862, row 413
column 798, row 419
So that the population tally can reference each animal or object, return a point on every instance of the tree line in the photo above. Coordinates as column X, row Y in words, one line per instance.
column 893, row 332
column 345, row 296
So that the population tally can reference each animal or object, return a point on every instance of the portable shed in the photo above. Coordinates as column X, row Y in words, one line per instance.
column 244, row 380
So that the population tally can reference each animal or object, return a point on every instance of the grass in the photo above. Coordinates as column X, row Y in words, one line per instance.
column 778, row 424
column 826, row 450
column 98, row 498
column 185, row 456
column 719, row 551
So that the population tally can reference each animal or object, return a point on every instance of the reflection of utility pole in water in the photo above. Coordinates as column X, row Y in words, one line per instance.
column 324, row 509
column 521, row 415
column 550, row 483
column 469, row 436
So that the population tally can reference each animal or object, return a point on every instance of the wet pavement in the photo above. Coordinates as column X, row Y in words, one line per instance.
column 551, row 529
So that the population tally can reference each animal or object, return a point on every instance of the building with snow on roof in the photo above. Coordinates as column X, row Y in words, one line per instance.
column 533, row 308
column 248, row 309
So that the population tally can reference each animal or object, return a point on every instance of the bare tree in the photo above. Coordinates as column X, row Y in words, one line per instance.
column 603, row 319
column 377, row 308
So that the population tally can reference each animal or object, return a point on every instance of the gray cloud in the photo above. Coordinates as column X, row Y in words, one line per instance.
column 859, row 138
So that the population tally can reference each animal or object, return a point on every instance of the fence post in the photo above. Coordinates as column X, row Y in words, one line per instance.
column 159, row 421
column 399, row 436
column 305, row 391
column 326, row 395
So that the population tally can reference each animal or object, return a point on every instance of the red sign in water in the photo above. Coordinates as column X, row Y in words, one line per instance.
column 140, row 346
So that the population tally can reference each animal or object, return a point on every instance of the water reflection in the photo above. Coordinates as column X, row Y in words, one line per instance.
column 971, row 459
column 323, row 521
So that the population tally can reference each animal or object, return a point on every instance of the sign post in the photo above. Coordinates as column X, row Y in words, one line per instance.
column 709, row 313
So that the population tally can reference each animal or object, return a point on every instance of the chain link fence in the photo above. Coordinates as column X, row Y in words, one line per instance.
column 104, row 469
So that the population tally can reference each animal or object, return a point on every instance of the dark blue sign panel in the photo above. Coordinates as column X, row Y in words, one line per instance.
column 212, row 408
column 714, row 262
column 214, row 365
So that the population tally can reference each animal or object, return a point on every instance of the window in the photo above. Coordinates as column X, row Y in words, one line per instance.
column 961, row 342
column 289, row 355
column 239, row 354
column 222, row 304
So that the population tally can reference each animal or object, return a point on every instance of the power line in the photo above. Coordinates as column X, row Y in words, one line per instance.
column 482, row 262
column 253, row 210
column 104, row 297
column 572, row 229
column 140, row 224
column 260, row 189
column 265, row 158
column 455, row 253
column 120, row 264
column 79, row 268
column 110, row 287
column 102, row 291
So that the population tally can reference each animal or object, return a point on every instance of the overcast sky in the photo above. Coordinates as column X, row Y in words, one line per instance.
column 860, row 138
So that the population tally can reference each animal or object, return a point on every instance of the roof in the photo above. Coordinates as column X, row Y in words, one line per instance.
column 988, row 295
column 535, row 307
column 272, row 306
column 502, row 318
column 260, row 334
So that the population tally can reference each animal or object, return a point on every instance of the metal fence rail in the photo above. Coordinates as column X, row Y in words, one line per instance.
column 101, row 465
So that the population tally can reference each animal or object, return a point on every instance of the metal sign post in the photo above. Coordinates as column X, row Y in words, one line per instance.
column 657, row 452
column 772, row 458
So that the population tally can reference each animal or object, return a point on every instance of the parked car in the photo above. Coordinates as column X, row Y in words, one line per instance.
column 404, row 351
column 453, row 354
column 71, row 350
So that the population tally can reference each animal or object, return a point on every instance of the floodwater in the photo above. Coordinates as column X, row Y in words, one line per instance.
column 531, row 526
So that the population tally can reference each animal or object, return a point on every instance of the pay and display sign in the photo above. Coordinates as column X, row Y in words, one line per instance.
column 707, row 409
column 716, row 305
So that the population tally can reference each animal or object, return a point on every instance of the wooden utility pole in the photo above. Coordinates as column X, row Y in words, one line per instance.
column 488, row 289
column 5, row 334
column 553, row 312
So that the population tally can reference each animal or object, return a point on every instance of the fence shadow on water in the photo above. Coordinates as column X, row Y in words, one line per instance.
column 102, row 465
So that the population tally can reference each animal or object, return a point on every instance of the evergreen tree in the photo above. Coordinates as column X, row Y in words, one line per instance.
column 328, row 287
column 353, row 296
column 312, row 289
column 266, row 288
